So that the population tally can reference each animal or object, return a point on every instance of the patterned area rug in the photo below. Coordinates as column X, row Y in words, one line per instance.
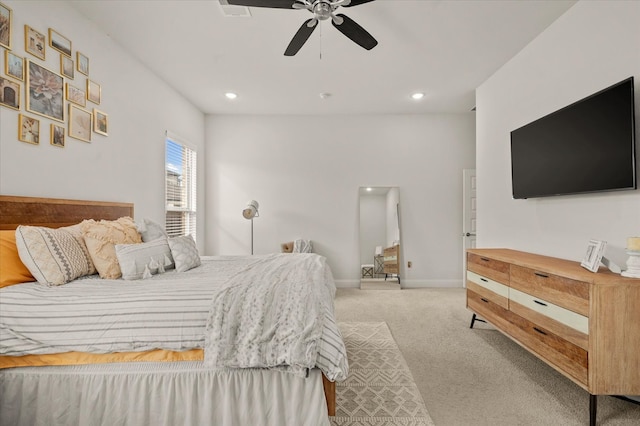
column 380, row 389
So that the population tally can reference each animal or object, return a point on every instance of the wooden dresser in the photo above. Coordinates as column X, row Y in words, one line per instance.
column 391, row 262
column 585, row 325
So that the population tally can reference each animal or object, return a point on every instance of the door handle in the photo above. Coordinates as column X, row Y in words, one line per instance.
column 468, row 234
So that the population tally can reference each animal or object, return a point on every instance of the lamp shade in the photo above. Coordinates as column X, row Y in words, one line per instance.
column 251, row 210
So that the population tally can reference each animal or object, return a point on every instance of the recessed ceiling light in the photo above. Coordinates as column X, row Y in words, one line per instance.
column 325, row 95
column 231, row 95
column 369, row 189
column 417, row 96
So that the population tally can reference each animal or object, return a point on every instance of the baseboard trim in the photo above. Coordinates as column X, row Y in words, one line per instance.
column 347, row 283
column 407, row 283
column 431, row 283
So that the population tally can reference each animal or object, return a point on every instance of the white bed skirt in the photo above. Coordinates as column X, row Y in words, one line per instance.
column 159, row 394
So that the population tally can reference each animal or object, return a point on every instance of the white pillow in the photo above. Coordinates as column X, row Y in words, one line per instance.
column 302, row 246
column 143, row 260
column 150, row 230
column 184, row 252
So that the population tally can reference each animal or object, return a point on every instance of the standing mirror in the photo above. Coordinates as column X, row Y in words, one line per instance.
column 379, row 237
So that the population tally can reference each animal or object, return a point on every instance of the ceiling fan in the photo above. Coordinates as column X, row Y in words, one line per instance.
column 322, row 10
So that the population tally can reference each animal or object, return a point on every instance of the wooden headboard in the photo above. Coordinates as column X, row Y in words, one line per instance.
column 55, row 213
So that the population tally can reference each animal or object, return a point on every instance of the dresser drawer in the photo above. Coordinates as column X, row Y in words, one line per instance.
column 564, row 292
column 484, row 307
column 562, row 322
column 489, row 268
column 489, row 289
column 564, row 356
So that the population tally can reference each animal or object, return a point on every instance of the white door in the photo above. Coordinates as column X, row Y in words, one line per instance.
column 468, row 217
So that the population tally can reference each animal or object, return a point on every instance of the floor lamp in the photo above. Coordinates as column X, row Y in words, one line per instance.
column 250, row 212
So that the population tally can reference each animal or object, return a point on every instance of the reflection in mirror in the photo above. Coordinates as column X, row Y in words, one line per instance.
column 379, row 237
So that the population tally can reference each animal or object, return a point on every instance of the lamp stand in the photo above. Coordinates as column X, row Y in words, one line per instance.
column 252, row 236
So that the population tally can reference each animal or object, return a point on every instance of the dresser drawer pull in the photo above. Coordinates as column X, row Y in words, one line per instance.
column 484, row 300
column 539, row 302
column 540, row 274
column 484, row 259
column 484, row 280
column 539, row 331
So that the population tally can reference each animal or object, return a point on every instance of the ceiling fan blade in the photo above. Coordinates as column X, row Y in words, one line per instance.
column 355, row 3
column 276, row 4
column 300, row 38
column 355, row 32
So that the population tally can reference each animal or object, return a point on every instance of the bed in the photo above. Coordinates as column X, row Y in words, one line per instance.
column 191, row 364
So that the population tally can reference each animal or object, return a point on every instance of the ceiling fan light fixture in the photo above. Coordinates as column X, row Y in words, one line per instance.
column 231, row 95
column 417, row 96
column 322, row 10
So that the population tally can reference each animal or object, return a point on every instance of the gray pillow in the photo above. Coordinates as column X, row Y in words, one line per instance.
column 150, row 230
column 143, row 260
column 184, row 252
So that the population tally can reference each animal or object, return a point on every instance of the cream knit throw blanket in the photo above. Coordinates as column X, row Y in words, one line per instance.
column 270, row 315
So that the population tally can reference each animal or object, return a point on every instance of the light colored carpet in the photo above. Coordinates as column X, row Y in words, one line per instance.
column 380, row 389
column 475, row 376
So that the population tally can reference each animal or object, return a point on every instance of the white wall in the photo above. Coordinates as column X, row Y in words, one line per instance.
column 128, row 165
column 593, row 45
column 305, row 171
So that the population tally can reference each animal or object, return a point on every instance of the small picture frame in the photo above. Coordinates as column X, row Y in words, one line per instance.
column 28, row 129
column 66, row 67
column 82, row 63
column 6, row 23
column 34, row 42
column 13, row 65
column 593, row 256
column 59, row 42
column 57, row 135
column 44, row 92
column 76, row 95
column 100, row 122
column 79, row 123
column 9, row 93
column 94, row 92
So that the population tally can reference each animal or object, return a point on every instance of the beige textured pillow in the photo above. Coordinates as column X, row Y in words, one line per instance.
column 53, row 256
column 101, row 238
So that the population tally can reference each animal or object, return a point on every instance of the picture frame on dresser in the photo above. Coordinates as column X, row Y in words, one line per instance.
column 593, row 256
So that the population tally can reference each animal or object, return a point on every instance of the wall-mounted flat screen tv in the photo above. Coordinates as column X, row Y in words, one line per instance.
column 588, row 146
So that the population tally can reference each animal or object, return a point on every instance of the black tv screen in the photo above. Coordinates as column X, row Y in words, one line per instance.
column 588, row 146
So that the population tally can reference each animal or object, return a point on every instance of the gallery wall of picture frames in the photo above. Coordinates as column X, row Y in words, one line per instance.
column 66, row 99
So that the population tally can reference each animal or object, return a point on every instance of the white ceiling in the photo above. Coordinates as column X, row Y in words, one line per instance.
column 444, row 48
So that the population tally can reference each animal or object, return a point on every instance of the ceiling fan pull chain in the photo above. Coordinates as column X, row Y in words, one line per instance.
column 320, row 42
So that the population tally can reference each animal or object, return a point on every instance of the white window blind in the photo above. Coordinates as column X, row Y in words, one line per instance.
column 180, row 171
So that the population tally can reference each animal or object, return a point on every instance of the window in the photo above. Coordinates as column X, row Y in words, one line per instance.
column 180, row 188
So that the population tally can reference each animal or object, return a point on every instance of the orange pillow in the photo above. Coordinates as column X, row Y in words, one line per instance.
column 12, row 270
